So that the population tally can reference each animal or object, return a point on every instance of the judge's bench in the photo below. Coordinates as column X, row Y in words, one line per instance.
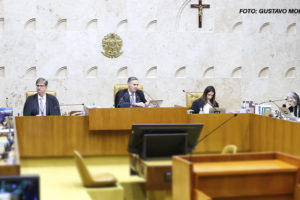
column 106, row 131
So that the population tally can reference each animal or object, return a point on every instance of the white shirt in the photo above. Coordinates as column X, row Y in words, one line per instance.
column 42, row 112
column 206, row 108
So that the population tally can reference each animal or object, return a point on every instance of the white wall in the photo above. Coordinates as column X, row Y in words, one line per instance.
column 245, row 56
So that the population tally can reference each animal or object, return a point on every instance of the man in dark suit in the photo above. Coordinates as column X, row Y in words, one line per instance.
column 41, row 104
column 131, row 97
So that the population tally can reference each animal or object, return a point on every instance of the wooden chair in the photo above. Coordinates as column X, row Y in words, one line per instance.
column 88, row 180
column 30, row 93
column 191, row 97
column 229, row 149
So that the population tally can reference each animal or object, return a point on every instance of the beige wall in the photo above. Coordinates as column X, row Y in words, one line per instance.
column 245, row 56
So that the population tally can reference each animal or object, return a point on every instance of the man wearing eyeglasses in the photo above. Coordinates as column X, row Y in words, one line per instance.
column 41, row 104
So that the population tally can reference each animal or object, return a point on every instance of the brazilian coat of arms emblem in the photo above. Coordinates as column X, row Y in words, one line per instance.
column 112, row 44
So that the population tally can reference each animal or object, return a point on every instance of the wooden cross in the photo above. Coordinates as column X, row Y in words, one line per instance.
column 200, row 6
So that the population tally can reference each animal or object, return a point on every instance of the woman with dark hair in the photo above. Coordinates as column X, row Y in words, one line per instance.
column 206, row 101
column 294, row 101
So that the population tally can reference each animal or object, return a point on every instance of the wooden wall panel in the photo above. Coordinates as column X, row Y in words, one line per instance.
column 123, row 118
column 235, row 131
column 60, row 135
column 270, row 134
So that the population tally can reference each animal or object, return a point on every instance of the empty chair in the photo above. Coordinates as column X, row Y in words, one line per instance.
column 229, row 149
column 95, row 180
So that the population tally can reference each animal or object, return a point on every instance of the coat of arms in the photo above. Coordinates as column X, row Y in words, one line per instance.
column 112, row 44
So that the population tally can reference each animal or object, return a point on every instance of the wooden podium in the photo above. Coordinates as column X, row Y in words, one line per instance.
column 251, row 176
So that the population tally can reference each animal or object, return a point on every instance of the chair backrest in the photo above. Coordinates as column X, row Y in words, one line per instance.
column 191, row 97
column 229, row 149
column 118, row 87
column 84, row 173
column 30, row 93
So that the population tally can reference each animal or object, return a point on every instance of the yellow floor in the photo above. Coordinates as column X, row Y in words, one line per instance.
column 60, row 180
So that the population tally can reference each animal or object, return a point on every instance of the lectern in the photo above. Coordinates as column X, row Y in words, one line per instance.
column 251, row 176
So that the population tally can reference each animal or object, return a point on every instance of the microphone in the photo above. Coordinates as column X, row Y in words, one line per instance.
column 212, row 131
column 118, row 100
column 71, row 104
column 278, row 100
column 6, row 102
column 215, row 110
column 122, row 103
column 272, row 101
column 190, row 111
column 190, row 94
column 275, row 104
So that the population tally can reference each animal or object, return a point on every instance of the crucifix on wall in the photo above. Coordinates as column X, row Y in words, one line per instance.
column 200, row 7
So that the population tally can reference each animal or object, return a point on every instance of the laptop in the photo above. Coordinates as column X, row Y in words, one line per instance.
column 155, row 103
column 217, row 110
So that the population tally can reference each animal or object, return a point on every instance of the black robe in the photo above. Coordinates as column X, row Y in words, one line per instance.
column 295, row 110
column 122, row 99
column 197, row 104
column 31, row 106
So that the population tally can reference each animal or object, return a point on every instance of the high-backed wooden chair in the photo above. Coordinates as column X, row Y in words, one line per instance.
column 118, row 87
column 88, row 180
column 191, row 97
column 30, row 93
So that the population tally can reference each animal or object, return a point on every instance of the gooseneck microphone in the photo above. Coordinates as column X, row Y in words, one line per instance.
column 212, row 131
column 220, row 125
column 190, row 94
column 272, row 101
column 6, row 102
column 276, row 105
column 73, row 104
